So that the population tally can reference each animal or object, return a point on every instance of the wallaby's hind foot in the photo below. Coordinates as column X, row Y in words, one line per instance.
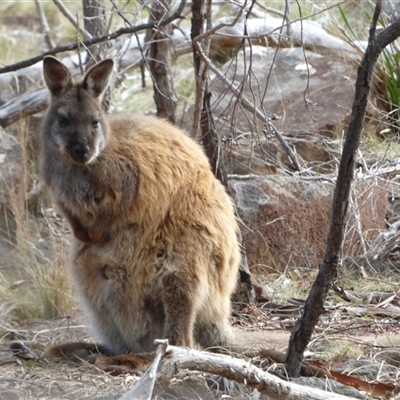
column 74, row 351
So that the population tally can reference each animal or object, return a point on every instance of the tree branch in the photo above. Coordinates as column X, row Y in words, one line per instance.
column 64, row 11
column 238, row 370
column 89, row 42
column 44, row 24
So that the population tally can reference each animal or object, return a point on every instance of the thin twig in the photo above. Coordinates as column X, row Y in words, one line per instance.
column 252, row 108
column 44, row 24
column 354, row 206
column 200, row 79
column 64, row 11
column 244, row 101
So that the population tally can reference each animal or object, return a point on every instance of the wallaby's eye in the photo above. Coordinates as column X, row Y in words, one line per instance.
column 95, row 123
column 63, row 122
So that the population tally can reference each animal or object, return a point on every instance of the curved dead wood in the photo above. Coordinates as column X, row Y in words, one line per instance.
column 23, row 106
column 238, row 370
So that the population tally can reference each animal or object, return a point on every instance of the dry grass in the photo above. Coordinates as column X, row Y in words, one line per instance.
column 33, row 276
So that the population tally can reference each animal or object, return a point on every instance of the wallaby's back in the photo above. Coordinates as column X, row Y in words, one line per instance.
column 156, row 252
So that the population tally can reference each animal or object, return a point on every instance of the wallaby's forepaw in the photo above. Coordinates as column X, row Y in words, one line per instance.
column 124, row 363
column 82, row 235
column 99, row 237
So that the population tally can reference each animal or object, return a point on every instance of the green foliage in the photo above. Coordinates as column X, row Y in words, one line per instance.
column 387, row 72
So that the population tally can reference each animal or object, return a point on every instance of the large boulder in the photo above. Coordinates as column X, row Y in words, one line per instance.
column 307, row 96
column 286, row 219
column 301, row 90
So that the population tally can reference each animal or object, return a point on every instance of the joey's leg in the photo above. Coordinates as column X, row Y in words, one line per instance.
column 181, row 305
column 78, row 230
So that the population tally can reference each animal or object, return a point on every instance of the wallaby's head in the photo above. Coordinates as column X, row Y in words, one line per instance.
column 75, row 124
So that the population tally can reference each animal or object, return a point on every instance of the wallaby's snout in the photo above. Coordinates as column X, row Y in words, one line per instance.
column 80, row 152
column 79, row 138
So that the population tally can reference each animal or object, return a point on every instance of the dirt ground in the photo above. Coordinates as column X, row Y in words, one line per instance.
column 24, row 374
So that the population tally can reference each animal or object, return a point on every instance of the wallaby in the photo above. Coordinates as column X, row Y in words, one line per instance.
column 155, row 251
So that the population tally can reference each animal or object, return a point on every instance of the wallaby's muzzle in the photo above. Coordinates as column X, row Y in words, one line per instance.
column 80, row 153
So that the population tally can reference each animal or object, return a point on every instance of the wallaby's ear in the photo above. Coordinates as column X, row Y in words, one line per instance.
column 97, row 78
column 56, row 75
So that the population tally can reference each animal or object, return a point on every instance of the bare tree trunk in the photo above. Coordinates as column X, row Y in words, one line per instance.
column 95, row 23
column 302, row 332
column 160, row 62
column 198, row 20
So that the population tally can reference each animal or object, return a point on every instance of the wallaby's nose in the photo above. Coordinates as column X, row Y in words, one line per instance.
column 79, row 152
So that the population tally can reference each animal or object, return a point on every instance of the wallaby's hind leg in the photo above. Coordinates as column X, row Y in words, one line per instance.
column 214, row 335
column 182, row 299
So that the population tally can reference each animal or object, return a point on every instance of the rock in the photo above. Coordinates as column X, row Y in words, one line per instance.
column 307, row 96
column 288, row 219
column 283, row 76
column 12, row 190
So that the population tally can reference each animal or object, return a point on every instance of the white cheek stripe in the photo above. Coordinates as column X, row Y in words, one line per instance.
column 94, row 156
column 99, row 145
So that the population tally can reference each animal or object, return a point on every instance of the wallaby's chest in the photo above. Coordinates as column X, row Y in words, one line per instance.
column 76, row 186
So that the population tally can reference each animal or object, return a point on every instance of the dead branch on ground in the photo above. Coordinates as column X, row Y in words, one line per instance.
column 243, row 372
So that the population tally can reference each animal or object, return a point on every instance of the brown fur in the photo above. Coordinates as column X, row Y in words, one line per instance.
column 155, row 253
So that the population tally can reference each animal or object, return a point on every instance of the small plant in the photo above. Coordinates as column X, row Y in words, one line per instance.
column 387, row 72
